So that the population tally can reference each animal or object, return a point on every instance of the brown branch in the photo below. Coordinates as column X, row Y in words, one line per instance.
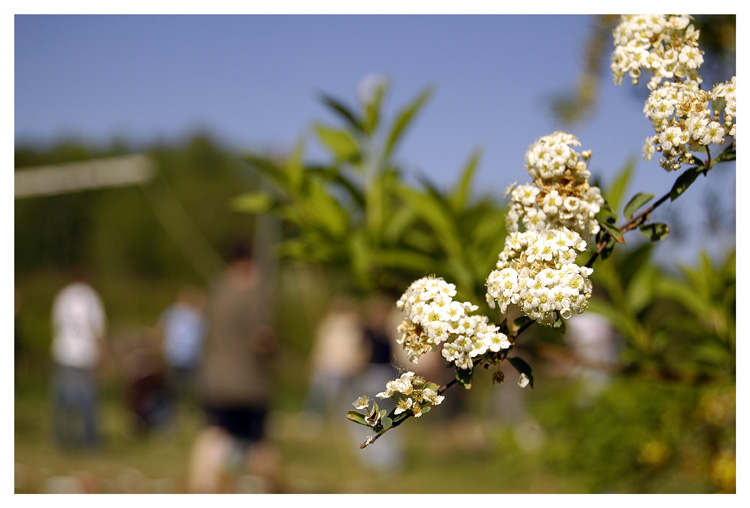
column 643, row 216
column 444, row 388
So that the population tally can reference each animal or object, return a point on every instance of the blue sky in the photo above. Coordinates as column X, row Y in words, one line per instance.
column 251, row 81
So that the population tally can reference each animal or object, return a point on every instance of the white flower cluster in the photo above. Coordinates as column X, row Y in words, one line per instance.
column 666, row 45
column 537, row 272
column 682, row 116
column 432, row 317
column 561, row 195
column 728, row 91
column 416, row 392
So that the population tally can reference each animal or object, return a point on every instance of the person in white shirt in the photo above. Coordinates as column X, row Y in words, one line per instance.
column 78, row 326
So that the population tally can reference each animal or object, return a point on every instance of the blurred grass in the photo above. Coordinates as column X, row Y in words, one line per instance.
column 560, row 446
column 638, row 436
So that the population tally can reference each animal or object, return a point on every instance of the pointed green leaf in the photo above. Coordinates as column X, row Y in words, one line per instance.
column 684, row 181
column 616, row 191
column 252, row 202
column 523, row 368
column 294, row 166
column 728, row 155
column 464, row 377
column 655, row 231
column 559, row 324
column 343, row 111
column 636, row 202
column 372, row 109
column 402, row 258
column 328, row 211
column 460, row 195
column 357, row 417
column 718, row 104
column 338, row 141
column 607, row 251
column 521, row 322
column 403, row 119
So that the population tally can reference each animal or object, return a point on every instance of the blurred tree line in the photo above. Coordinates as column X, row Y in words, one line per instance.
column 138, row 242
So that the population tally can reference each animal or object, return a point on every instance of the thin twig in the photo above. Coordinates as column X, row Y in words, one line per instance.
column 442, row 389
column 639, row 219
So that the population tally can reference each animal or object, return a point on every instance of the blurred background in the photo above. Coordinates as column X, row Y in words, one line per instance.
column 351, row 155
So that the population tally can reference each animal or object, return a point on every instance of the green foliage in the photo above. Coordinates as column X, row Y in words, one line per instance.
column 654, row 231
column 685, row 180
column 356, row 214
column 523, row 368
column 676, row 326
column 635, row 203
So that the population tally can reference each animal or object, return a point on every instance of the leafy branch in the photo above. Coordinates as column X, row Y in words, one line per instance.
column 611, row 234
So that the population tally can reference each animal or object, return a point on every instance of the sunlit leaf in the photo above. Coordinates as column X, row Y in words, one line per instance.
column 728, row 155
column 460, row 195
column 636, row 202
column 464, row 377
column 403, row 119
column 252, row 202
column 655, row 231
column 338, row 141
column 343, row 111
column 523, row 368
column 357, row 417
column 616, row 191
column 684, row 181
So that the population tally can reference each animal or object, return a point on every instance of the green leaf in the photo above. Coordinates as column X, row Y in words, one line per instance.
column 252, row 202
column 435, row 212
column 684, row 181
column 372, row 109
column 613, row 230
column 655, row 231
column 522, row 321
column 559, row 324
column 426, row 409
column 432, row 386
column 616, row 191
column 404, row 118
column 636, row 202
column 727, row 155
column 343, row 111
column 523, row 368
column 387, row 423
column 402, row 258
column 360, row 255
column 464, row 377
column 327, row 209
column 460, row 195
column 338, row 141
column 607, row 251
column 718, row 104
column 294, row 167
column 357, row 417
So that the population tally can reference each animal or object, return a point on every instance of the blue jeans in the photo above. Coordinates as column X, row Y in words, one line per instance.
column 74, row 406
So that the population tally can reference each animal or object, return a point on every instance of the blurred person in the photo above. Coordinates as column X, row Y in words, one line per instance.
column 234, row 383
column 79, row 327
column 594, row 341
column 147, row 389
column 182, row 328
column 338, row 355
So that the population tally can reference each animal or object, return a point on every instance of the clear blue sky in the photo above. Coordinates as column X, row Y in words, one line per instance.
column 251, row 81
